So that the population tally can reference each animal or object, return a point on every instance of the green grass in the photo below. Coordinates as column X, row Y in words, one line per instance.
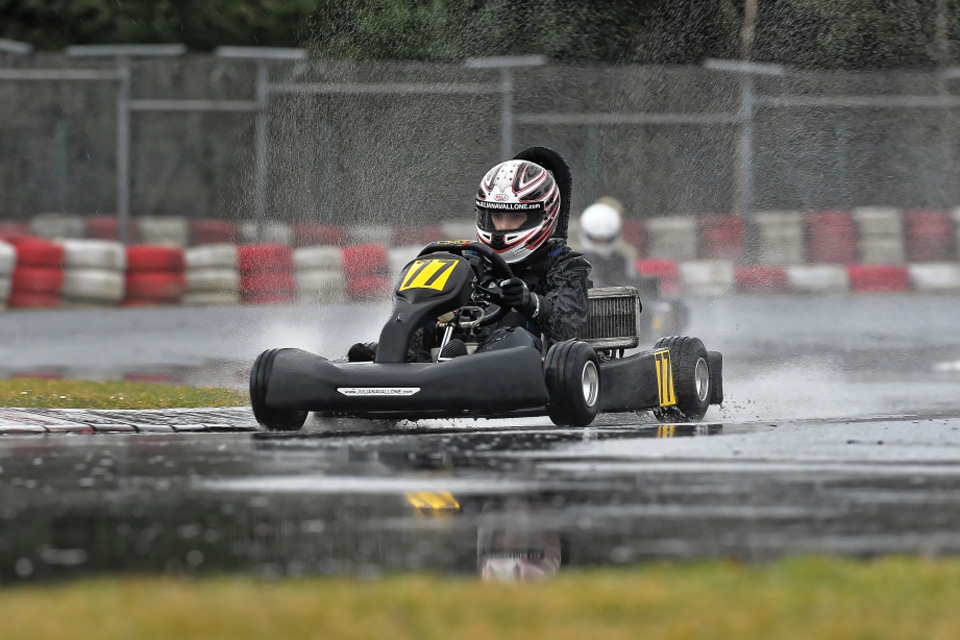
column 79, row 394
column 799, row 598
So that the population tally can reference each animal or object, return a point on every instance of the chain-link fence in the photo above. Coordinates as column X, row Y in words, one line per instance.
column 396, row 142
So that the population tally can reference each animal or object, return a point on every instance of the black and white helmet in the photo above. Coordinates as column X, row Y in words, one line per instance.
column 511, row 187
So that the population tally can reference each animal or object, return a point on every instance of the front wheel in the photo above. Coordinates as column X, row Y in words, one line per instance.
column 272, row 419
column 572, row 374
column 690, row 366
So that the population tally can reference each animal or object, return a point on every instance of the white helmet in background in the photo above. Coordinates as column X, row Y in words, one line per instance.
column 600, row 226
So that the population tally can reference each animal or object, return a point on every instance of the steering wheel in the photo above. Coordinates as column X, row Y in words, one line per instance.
column 489, row 291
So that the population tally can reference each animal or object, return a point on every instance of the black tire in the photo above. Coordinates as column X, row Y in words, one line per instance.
column 572, row 375
column 271, row 419
column 691, row 379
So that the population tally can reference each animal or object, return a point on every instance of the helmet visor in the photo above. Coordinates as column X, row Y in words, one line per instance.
column 510, row 217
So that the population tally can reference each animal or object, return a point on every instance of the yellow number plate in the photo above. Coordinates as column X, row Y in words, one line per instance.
column 665, row 378
column 428, row 274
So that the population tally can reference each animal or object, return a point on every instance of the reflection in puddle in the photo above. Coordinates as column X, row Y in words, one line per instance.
column 448, row 500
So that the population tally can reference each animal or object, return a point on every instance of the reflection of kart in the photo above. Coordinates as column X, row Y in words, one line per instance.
column 452, row 286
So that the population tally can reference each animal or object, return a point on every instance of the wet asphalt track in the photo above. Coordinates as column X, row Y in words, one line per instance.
column 839, row 435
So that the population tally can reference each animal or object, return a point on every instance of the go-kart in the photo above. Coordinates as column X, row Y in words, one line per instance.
column 451, row 289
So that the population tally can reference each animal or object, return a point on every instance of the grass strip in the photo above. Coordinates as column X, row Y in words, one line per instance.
column 81, row 394
column 796, row 598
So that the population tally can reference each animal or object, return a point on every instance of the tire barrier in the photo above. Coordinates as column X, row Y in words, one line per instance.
column 212, row 275
column 94, row 272
column 311, row 235
column 8, row 260
column 672, row 238
column 406, row 236
column 935, row 276
column 818, row 278
column 721, row 238
column 172, row 230
column 458, row 229
column 37, row 279
column 106, row 228
column 399, row 258
column 928, row 235
column 318, row 275
column 366, row 271
column 266, row 273
column 707, row 277
column 274, row 232
column 878, row 278
column 58, row 225
column 155, row 275
column 780, row 238
column 204, row 232
column 370, row 234
column 13, row 230
column 879, row 235
column 759, row 279
column 633, row 233
column 831, row 237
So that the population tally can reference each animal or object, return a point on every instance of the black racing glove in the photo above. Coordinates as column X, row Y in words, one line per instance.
column 515, row 293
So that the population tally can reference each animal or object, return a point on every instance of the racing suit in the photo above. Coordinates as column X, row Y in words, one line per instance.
column 560, row 276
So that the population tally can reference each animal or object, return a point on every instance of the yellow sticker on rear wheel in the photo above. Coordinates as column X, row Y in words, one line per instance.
column 665, row 378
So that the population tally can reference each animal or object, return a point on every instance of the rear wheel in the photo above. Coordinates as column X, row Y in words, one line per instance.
column 691, row 379
column 572, row 376
column 272, row 419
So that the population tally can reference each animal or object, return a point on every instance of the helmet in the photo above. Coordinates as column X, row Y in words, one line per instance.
column 517, row 186
column 600, row 228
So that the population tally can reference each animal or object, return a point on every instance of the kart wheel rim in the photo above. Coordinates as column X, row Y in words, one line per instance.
column 701, row 376
column 590, row 382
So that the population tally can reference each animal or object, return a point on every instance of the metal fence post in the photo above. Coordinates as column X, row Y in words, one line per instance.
column 260, row 143
column 123, row 150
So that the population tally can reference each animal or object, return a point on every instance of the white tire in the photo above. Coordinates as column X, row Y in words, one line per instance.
column 818, row 278
column 211, row 298
column 8, row 259
column 273, row 231
column 93, row 285
column 173, row 230
column 58, row 225
column 327, row 258
column 878, row 221
column 459, row 229
column 93, row 254
column 674, row 238
column 376, row 233
column 213, row 280
column 217, row 256
column 707, row 278
column 320, row 287
column 882, row 250
column 935, row 276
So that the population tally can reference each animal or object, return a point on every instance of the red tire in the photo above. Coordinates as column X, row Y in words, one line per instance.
column 155, row 286
column 721, row 238
column 368, row 287
column 31, row 300
column 928, row 236
column 831, row 237
column 405, row 236
column 213, row 232
column 370, row 259
column 37, row 252
column 270, row 282
column 878, row 278
column 103, row 227
column 309, row 235
column 37, row 280
column 264, row 257
column 153, row 258
column 759, row 278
